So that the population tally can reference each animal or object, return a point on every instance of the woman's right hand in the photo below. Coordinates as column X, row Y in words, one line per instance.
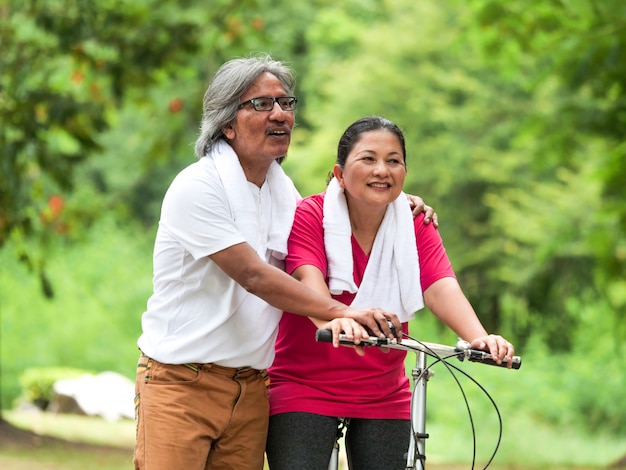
column 355, row 331
column 351, row 329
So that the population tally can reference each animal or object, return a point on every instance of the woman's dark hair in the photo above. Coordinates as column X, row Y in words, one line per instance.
column 370, row 123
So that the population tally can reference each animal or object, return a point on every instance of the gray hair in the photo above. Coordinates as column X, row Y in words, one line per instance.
column 228, row 85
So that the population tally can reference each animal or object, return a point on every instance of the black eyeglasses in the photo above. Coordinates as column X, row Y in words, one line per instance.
column 266, row 103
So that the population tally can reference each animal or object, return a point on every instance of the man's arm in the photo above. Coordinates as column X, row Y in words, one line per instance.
column 312, row 277
column 418, row 206
column 277, row 288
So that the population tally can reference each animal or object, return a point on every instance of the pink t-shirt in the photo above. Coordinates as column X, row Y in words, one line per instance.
column 312, row 377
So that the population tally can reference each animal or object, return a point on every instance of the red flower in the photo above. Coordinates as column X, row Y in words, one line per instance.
column 175, row 105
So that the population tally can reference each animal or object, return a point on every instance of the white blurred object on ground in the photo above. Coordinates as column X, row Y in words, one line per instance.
column 107, row 394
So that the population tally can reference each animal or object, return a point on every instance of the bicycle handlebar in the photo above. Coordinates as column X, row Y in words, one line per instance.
column 462, row 350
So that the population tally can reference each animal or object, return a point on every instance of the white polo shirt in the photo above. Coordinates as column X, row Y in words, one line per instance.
column 197, row 313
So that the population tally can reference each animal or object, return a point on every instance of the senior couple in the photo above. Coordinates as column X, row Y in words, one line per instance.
column 237, row 246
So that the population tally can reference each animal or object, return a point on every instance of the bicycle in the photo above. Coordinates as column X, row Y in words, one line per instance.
column 421, row 373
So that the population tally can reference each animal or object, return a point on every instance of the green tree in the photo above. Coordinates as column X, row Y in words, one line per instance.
column 508, row 149
column 574, row 54
column 72, row 71
column 458, row 119
column 67, row 69
column 490, row 131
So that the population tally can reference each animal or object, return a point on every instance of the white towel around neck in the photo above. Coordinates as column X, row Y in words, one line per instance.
column 284, row 197
column 392, row 277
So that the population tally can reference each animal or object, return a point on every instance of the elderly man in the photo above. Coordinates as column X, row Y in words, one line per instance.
column 219, row 285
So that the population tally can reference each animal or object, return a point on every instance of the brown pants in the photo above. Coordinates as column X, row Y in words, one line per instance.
column 199, row 417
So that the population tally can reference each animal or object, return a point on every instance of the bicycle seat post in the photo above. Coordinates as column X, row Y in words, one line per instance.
column 417, row 443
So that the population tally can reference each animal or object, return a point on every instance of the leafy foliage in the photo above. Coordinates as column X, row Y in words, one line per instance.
column 68, row 67
column 93, row 321
column 573, row 53
column 37, row 383
column 524, row 209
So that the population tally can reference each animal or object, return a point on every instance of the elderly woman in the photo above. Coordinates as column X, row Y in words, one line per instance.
column 358, row 243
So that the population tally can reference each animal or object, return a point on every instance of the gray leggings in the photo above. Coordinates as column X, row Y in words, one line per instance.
column 305, row 441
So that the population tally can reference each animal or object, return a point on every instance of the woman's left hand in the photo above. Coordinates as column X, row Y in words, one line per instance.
column 418, row 206
column 500, row 348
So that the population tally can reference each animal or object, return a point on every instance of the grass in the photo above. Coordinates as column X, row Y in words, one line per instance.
column 72, row 442
column 53, row 442
column 66, row 457
column 526, row 444
column 75, row 428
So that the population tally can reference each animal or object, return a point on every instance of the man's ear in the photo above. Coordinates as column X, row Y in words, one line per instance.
column 228, row 131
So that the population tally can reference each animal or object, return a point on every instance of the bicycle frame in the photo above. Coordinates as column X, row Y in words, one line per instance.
column 416, row 454
column 417, row 442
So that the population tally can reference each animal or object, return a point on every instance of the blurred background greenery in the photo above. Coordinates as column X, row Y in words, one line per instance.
column 515, row 119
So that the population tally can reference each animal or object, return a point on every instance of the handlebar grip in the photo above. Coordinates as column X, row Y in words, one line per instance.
column 324, row 336
column 483, row 357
